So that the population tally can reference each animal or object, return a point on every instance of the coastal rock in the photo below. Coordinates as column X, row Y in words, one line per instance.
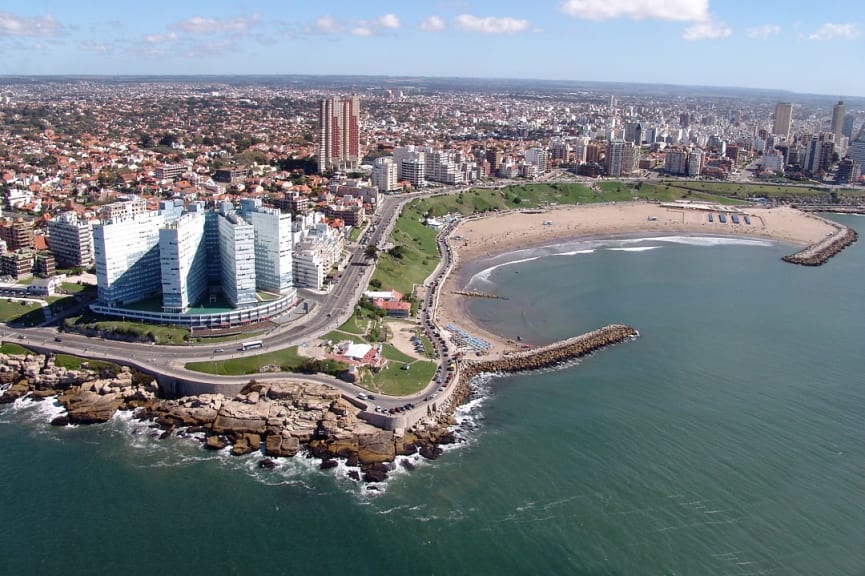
column 376, row 447
column 60, row 421
column 14, row 392
column 85, row 407
column 246, row 444
column 375, row 472
column 240, row 418
column 215, row 442
column 282, row 446
column 266, row 464
column 328, row 464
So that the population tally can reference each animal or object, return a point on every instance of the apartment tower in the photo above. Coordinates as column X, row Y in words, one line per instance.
column 339, row 134
column 783, row 119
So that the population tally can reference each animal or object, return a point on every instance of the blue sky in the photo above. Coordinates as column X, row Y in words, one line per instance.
column 814, row 47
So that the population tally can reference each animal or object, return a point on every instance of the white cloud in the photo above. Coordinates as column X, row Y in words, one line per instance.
column 39, row 26
column 680, row 10
column 491, row 24
column 831, row 31
column 763, row 32
column 390, row 21
column 200, row 25
column 154, row 39
column 327, row 25
column 361, row 31
column 432, row 24
column 97, row 47
column 708, row 30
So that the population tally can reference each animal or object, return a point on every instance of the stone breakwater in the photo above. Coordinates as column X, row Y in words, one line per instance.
column 818, row 253
column 432, row 432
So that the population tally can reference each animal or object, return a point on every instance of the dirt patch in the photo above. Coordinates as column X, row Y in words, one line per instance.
column 402, row 331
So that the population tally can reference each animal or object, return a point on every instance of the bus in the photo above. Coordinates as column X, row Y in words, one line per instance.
column 251, row 344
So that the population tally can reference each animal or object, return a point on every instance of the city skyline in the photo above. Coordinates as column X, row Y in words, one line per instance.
column 802, row 48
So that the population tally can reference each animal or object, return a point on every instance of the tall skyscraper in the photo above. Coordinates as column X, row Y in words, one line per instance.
column 339, row 135
column 838, row 112
column 783, row 119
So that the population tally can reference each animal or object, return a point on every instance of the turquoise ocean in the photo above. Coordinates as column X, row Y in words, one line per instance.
column 728, row 439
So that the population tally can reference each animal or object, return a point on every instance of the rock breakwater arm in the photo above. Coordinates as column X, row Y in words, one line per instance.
column 552, row 354
column 818, row 253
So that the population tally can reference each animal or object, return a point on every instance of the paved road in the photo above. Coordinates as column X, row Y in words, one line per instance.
column 331, row 311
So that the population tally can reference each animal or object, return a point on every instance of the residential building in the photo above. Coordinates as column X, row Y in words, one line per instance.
column 237, row 259
column 339, row 133
column 621, row 158
column 169, row 171
column 43, row 264
column 849, row 172
column 385, row 175
column 18, row 263
column 17, row 234
column 837, row 127
column 273, row 269
column 536, row 157
column 783, row 119
column 70, row 239
column 183, row 262
column 126, row 253
column 234, row 175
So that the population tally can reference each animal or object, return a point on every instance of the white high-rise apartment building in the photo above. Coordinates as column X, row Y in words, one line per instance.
column 237, row 259
column 273, row 268
column 385, row 175
column 183, row 262
column 537, row 157
column 126, row 251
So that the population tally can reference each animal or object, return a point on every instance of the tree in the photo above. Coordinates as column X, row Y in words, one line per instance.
column 371, row 252
column 396, row 252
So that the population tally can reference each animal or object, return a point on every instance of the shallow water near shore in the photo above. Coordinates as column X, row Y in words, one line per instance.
column 727, row 439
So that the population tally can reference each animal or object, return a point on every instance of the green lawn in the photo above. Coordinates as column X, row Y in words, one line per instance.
column 391, row 353
column 13, row 348
column 340, row 336
column 287, row 359
column 745, row 190
column 395, row 381
column 75, row 288
column 21, row 313
column 74, row 363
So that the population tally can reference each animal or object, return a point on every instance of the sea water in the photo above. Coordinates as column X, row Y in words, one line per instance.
column 727, row 439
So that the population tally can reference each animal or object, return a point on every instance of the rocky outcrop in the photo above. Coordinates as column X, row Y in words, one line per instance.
column 86, row 407
column 817, row 254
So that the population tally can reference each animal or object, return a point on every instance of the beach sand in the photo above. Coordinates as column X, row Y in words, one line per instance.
column 479, row 238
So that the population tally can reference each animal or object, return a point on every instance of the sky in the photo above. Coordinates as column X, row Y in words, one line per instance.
column 802, row 46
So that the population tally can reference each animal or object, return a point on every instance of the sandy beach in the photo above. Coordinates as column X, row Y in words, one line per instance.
column 478, row 238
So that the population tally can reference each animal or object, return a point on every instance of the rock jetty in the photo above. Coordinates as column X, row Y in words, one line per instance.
column 431, row 433
column 552, row 354
column 817, row 254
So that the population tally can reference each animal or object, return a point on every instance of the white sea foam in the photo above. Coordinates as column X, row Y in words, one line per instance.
column 634, row 249
column 710, row 241
column 484, row 275
column 39, row 411
column 575, row 252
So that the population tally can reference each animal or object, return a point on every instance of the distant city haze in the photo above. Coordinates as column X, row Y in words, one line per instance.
column 796, row 46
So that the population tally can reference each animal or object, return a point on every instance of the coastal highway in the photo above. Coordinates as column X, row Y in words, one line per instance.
column 334, row 310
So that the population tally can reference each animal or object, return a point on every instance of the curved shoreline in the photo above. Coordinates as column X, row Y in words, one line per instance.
column 487, row 237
